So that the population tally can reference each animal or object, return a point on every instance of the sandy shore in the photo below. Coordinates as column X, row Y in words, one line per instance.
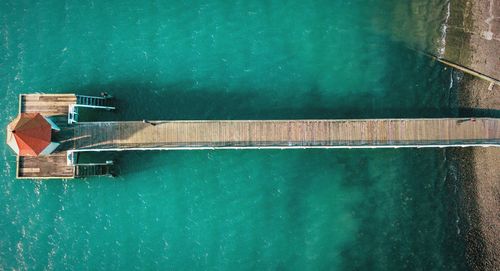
column 473, row 40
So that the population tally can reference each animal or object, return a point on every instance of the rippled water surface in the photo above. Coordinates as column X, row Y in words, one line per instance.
column 231, row 210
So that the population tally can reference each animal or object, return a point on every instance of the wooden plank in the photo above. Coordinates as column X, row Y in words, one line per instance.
column 46, row 104
column 181, row 134
column 46, row 167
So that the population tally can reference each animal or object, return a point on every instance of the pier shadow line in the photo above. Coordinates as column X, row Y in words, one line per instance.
column 479, row 112
column 184, row 101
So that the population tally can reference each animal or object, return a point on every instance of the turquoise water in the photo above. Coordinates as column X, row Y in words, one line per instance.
column 234, row 210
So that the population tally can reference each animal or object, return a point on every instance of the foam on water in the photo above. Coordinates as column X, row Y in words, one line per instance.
column 444, row 29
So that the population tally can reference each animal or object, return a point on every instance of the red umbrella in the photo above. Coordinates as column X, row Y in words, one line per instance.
column 29, row 134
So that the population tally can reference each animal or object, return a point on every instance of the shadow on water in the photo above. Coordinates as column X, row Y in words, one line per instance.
column 182, row 101
column 479, row 112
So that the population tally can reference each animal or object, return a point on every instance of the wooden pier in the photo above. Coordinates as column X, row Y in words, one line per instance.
column 238, row 134
column 77, row 137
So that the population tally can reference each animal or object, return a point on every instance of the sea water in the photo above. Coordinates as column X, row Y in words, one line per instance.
column 383, row 209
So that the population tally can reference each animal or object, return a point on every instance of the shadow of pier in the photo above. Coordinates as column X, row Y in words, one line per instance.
column 185, row 101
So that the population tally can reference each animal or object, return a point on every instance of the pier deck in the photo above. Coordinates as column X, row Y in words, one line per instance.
column 137, row 135
column 46, row 104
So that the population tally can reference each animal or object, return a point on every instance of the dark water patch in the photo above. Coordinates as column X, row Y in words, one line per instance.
column 407, row 231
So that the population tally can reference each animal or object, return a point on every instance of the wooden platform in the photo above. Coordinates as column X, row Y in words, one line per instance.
column 45, row 167
column 136, row 135
column 46, row 104
column 53, row 166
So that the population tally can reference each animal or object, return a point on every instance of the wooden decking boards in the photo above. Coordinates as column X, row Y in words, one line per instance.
column 47, row 167
column 100, row 136
column 236, row 134
column 46, row 104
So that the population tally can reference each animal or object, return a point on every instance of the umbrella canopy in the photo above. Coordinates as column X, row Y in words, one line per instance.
column 29, row 134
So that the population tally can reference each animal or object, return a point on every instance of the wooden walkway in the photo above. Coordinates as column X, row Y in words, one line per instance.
column 137, row 135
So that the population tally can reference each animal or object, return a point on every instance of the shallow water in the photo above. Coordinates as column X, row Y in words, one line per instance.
column 272, row 209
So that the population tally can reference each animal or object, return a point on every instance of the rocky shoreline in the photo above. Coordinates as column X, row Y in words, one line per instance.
column 473, row 40
column 479, row 204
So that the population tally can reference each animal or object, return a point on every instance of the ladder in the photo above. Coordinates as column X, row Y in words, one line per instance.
column 94, row 102
column 88, row 102
column 89, row 170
